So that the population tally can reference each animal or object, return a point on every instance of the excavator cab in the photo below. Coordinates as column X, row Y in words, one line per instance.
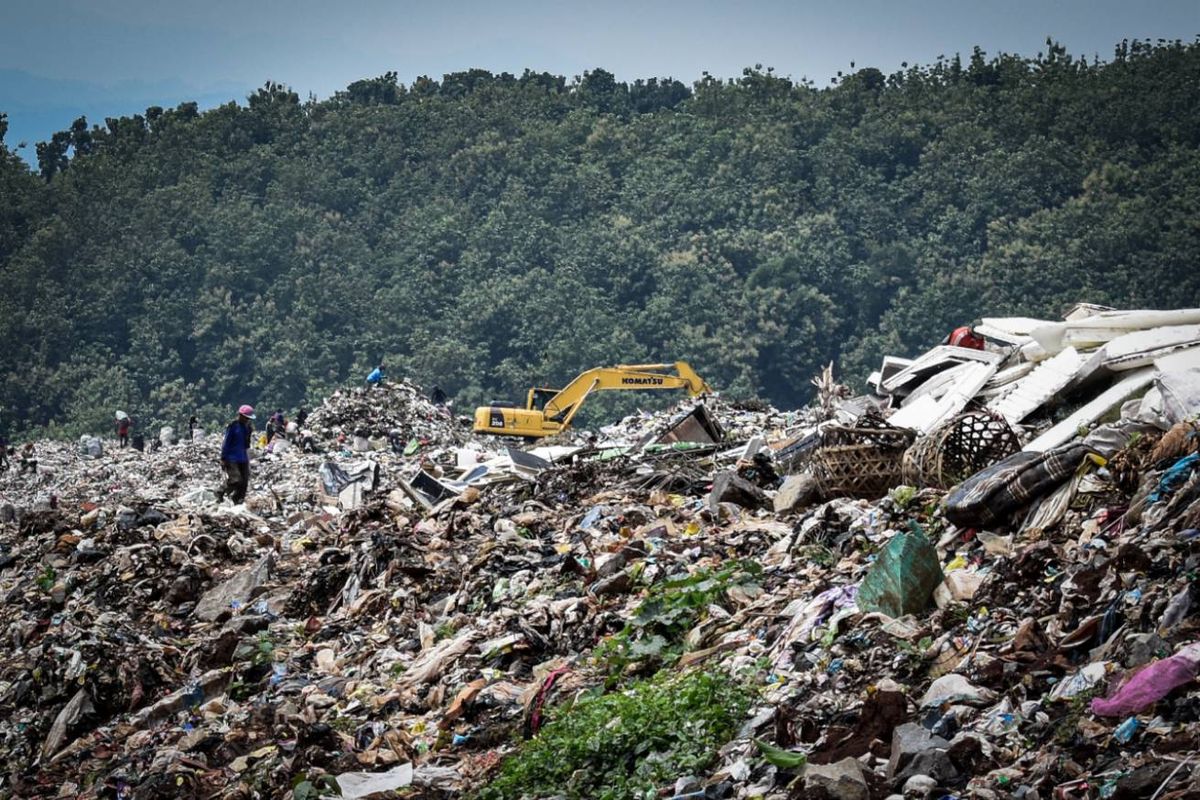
column 539, row 397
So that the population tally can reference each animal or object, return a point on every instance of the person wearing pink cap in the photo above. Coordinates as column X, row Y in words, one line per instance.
column 235, row 455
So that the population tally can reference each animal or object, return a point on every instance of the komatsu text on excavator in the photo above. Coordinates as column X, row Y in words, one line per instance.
column 550, row 411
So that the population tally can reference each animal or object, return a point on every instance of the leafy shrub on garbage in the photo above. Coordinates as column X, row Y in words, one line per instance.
column 1067, row 728
column 46, row 580
column 314, row 787
column 818, row 554
column 655, row 631
column 627, row 744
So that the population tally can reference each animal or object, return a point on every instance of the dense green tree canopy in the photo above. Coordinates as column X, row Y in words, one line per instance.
column 491, row 232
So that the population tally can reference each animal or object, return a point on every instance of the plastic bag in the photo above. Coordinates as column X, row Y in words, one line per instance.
column 1150, row 684
column 903, row 578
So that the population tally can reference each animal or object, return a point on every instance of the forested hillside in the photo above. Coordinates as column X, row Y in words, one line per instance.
column 490, row 232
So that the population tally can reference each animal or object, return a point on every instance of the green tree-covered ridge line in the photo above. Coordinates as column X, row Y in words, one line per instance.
column 491, row 232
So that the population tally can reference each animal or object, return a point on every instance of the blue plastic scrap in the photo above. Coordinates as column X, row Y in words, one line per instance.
column 1126, row 730
column 1175, row 477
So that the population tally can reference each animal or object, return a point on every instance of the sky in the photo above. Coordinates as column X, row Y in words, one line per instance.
column 60, row 59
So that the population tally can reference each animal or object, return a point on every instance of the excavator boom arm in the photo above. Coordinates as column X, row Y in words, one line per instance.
column 560, row 409
column 629, row 377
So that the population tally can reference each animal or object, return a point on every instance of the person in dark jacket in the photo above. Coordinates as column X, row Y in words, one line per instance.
column 276, row 425
column 28, row 459
column 193, row 424
column 3, row 452
column 235, row 455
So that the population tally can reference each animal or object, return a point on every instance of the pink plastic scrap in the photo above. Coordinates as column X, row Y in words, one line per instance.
column 1150, row 684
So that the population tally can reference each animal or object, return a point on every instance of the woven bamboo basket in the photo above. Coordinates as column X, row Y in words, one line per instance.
column 862, row 461
column 958, row 449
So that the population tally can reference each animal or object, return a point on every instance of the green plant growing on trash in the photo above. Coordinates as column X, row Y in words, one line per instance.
column 914, row 653
column 314, row 787
column 828, row 636
column 240, row 691
column 46, row 580
column 1068, row 727
column 343, row 724
column 264, row 650
column 818, row 554
column 655, row 631
column 902, row 496
column 957, row 614
column 627, row 744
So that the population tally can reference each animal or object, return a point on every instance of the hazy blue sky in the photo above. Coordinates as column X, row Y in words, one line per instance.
column 63, row 58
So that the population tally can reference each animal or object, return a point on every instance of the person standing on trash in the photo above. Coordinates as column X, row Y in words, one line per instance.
column 964, row 336
column 301, row 417
column 124, row 423
column 235, row 455
column 28, row 459
column 193, row 424
column 3, row 452
column 276, row 425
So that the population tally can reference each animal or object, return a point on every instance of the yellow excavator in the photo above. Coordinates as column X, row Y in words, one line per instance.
column 550, row 411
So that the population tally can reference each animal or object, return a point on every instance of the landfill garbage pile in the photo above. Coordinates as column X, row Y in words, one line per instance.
column 392, row 410
column 852, row 600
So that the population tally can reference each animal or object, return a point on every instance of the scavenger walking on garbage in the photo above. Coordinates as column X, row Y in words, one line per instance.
column 124, row 423
column 193, row 426
column 376, row 377
column 275, row 425
column 235, row 455
column 28, row 459
column 3, row 452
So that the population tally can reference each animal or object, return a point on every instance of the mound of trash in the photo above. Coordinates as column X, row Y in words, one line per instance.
column 395, row 410
column 974, row 581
